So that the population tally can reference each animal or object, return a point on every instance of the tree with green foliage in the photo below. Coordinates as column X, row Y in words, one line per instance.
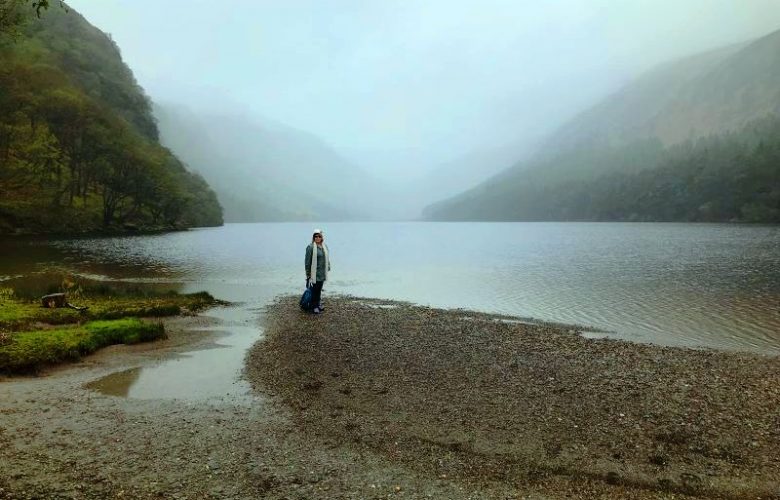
column 78, row 143
column 13, row 12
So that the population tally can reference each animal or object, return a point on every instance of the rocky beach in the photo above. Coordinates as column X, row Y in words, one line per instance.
column 523, row 406
column 379, row 399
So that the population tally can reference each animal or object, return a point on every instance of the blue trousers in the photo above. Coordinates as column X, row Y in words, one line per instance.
column 316, row 291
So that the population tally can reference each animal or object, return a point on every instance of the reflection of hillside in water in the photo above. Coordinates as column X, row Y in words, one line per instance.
column 37, row 259
column 116, row 384
column 35, row 284
column 25, row 255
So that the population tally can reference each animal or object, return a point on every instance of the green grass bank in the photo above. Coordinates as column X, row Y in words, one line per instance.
column 32, row 336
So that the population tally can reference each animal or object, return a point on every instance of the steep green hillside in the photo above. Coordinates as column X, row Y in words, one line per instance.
column 78, row 143
column 641, row 154
column 727, row 177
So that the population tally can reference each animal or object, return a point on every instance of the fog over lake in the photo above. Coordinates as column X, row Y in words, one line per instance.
column 426, row 99
column 673, row 284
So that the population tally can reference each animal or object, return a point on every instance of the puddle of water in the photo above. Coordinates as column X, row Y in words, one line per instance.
column 205, row 374
column 116, row 384
column 374, row 305
column 594, row 334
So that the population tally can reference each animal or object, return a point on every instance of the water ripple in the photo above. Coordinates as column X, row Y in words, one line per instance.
column 714, row 285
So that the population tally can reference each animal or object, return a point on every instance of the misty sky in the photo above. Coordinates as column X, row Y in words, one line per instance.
column 412, row 81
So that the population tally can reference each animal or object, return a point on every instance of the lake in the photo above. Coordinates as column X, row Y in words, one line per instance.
column 710, row 285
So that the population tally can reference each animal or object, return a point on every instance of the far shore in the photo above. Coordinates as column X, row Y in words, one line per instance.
column 96, row 232
column 515, row 407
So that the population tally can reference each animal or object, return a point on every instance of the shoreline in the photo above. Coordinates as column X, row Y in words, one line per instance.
column 522, row 405
column 97, row 233
column 323, row 423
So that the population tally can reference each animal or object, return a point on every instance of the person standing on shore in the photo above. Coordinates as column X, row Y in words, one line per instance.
column 317, row 267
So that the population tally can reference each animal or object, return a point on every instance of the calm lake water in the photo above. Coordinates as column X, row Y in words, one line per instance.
column 674, row 284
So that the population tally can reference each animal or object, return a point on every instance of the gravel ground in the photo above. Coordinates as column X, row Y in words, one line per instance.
column 508, row 408
column 387, row 400
column 59, row 440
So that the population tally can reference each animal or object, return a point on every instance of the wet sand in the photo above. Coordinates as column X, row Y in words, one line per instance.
column 383, row 400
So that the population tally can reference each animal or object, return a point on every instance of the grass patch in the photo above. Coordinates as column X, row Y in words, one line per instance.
column 29, row 350
column 17, row 314
column 32, row 336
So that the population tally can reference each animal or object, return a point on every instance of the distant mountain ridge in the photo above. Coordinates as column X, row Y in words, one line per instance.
column 267, row 171
column 713, row 92
column 698, row 98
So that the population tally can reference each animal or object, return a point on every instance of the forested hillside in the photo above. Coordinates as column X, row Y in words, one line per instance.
column 79, row 147
column 692, row 140
column 727, row 177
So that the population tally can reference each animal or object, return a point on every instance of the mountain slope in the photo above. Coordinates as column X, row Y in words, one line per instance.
column 729, row 177
column 453, row 177
column 632, row 135
column 713, row 92
column 78, row 144
column 265, row 171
